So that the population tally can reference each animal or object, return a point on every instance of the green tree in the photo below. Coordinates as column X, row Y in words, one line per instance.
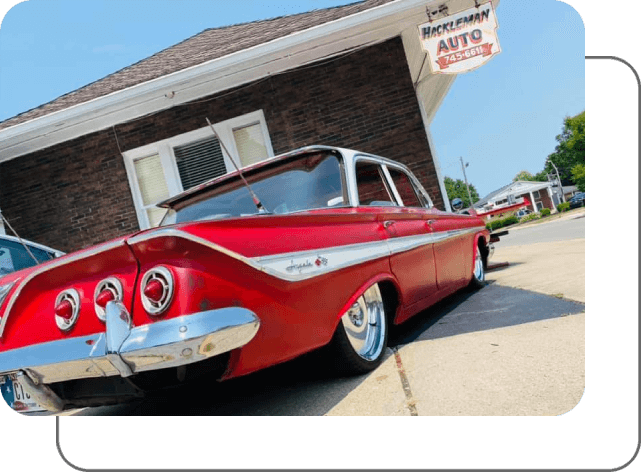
column 577, row 128
column 456, row 189
column 541, row 176
column 570, row 150
column 578, row 175
column 523, row 175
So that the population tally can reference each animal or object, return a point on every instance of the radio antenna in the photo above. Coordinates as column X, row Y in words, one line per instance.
column 259, row 205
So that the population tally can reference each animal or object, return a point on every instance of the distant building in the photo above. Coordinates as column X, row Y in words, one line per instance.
column 568, row 192
column 533, row 195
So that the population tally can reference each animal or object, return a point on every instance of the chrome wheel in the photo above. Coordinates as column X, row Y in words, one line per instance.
column 479, row 269
column 478, row 272
column 364, row 324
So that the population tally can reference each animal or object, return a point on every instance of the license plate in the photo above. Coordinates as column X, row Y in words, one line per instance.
column 15, row 395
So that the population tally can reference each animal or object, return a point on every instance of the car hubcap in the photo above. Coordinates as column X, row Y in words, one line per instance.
column 364, row 324
column 479, row 272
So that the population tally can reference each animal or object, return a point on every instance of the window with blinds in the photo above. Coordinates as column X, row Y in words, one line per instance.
column 165, row 168
column 199, row 162
column 152, row 185
column 250, row 143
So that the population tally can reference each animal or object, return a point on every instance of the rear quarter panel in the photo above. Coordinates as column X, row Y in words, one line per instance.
column 30, row 305
column 296, row 316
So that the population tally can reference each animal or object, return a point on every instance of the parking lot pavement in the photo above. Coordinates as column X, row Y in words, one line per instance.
column 380, row 394
column 555, row 268
column 527, row 369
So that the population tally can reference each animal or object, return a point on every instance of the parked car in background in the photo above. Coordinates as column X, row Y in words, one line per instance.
column 329, row 247
column 17, row 254
column 578, row 200
column 522, row 212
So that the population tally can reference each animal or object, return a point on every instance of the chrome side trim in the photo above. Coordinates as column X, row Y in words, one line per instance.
column 159, row 345
column 303, row 265
column 53, row 265
column 297, row 266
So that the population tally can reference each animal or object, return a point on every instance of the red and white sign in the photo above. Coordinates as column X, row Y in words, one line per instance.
column 461, row 42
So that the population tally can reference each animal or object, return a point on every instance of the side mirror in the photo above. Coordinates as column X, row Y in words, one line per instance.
column 457, row 204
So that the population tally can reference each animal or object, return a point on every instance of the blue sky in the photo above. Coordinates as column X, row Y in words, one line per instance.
column 502, row 117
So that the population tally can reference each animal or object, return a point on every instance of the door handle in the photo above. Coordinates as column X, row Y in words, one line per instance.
column 387, row 224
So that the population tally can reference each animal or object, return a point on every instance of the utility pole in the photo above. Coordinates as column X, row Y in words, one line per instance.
column 466, row 184
column 559, row 180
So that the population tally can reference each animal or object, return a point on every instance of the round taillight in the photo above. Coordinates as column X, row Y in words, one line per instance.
column 105, row 297
column 64, row 310
column 106, row 291
column 154, row 290
column 67, row 309
column 157, row 290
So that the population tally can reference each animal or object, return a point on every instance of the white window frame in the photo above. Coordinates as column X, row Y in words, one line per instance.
column 164, row 148
column 536, row 194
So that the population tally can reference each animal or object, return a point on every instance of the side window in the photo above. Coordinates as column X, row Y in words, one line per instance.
column 14, row 257
column 405, row 188
column 372, row 189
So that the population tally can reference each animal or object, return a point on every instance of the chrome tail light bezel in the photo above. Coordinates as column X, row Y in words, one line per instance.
column 114, row 286
column 4, row 291
column 73, row 297
column 166, row 278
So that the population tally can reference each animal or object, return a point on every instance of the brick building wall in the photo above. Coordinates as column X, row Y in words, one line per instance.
column 546, row 200
column 543, row 198
column 76, row 194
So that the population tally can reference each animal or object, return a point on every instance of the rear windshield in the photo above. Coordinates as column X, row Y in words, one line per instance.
column 307, row 183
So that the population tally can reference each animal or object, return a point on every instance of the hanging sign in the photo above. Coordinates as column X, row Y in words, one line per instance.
column 461, row 42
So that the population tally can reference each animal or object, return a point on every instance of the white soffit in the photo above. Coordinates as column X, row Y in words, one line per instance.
column 376, row 24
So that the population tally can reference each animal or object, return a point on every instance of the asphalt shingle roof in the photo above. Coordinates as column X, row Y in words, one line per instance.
column 210, row 44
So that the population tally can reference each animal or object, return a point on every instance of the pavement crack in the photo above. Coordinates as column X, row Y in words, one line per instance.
column 411, row 404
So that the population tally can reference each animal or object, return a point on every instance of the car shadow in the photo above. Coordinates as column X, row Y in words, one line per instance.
column 303, row 386
column 308, row 386
column 493, row 306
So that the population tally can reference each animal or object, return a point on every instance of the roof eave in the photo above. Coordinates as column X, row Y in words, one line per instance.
column 381, row 22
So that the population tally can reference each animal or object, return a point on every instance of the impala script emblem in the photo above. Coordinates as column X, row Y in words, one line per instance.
column 320, row 261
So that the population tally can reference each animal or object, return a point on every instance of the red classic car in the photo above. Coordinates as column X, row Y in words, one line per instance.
column 320, row 246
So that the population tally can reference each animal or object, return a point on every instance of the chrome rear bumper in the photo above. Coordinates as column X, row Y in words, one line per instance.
column 125, row 350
